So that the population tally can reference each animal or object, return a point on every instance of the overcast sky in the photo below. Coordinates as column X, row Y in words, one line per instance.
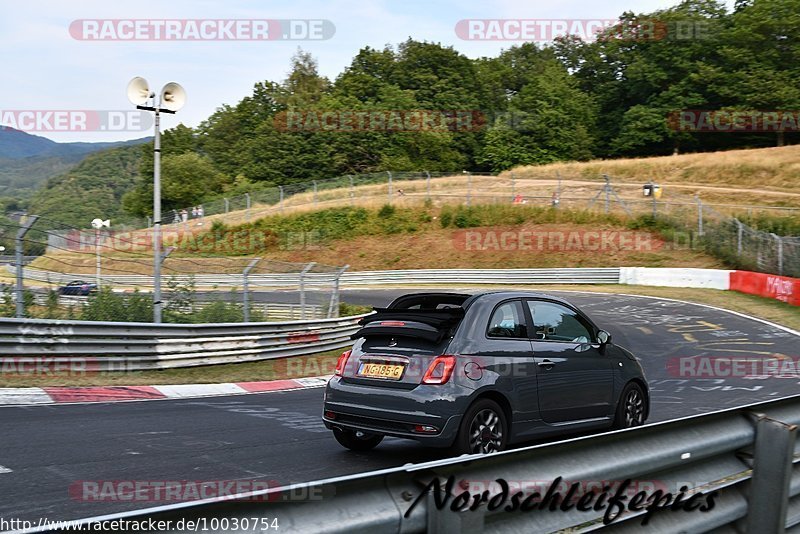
column 45, row 68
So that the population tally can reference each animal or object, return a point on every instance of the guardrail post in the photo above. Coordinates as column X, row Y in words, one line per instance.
column 23, row 229
column 227, row 205
column 428, row 185
column 390, row 186
column 333, row 306
column 315, row 192
column 303, row 290
column 246, row 289
column 280, row 200
column 768, row 497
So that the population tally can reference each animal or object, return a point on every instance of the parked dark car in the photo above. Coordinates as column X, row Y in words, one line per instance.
column 77, row 287
column 478, row 373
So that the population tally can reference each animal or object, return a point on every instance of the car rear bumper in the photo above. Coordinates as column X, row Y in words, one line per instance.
column 395, row 412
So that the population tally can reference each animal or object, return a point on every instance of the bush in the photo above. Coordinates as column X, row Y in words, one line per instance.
column 346, row 309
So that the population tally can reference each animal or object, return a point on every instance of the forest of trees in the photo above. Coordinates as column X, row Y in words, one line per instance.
column 567, row 100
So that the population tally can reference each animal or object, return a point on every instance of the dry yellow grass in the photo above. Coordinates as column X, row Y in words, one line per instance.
column 774, row 169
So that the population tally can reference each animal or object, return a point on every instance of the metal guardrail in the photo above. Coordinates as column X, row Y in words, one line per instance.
column 748, row 457
column 115, row 346
column 270, row 311
column 581, row 275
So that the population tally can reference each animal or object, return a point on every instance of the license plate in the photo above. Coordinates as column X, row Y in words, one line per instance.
column 380, row 370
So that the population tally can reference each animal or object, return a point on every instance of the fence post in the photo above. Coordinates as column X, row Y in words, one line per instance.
column 315, row 192
column 558, row 190
column 699, row 215
column 227, row 205
column 352, row 192
column 280, row 199
column 607, row 190
column 247, row 209
column 149, row 221
column 390, row 186
column 768, row 497
column 23, row 229
column 428, row 184
column 469, row 188
column 739, row 234
column 246, row 289
column 303, row 290
column 513, row 187
column 779, row 242
column 333, row 306
column 655, row 202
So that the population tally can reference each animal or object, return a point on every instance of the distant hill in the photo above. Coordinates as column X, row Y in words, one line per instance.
column 15, row 144
column 27, row 161
column 93, row 188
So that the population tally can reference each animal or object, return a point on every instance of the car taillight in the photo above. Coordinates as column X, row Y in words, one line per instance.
column 439, row 370
column 341, row 362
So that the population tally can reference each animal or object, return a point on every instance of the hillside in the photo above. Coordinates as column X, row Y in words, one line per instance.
column 27, row 161
column 93, row 188
column 427, row 236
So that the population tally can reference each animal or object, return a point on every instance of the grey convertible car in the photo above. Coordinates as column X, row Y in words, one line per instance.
column 478, row 373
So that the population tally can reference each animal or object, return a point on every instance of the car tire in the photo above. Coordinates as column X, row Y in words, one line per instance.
column 631, row 408
column 352, row 440
column 483, row 429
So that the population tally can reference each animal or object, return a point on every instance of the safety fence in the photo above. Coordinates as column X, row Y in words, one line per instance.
column 781, row 288
column 579, row 275
column 730, row 471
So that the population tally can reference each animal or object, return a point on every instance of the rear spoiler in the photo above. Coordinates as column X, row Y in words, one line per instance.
column 400, row 328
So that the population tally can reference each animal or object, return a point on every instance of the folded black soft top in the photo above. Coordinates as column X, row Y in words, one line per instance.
column 438, row 318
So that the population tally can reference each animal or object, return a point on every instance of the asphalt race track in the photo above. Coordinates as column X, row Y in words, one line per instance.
column 279, row 437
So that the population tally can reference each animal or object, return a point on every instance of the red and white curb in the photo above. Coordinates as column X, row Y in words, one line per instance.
column 67, row 395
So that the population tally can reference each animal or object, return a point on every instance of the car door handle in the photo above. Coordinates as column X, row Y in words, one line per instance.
column 546, row 363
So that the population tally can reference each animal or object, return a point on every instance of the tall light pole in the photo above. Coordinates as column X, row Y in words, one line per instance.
column 172, row 98
column 98, row 224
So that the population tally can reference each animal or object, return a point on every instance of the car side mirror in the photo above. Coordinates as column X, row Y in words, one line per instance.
column 603, row 337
